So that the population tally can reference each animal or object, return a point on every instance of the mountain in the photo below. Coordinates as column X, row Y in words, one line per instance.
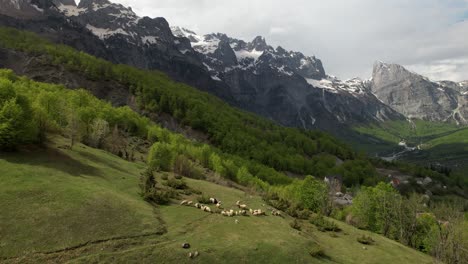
column 285, row 86
column 415, row 96
column 112, row 32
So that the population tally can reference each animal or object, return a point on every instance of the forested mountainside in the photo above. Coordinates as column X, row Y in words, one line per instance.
column 178, row 168
column 140, row 152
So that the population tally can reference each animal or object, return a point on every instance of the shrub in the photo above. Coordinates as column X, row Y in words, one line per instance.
column 160, row 197
column 298, row 211
column 295, row 224
column 323, row 224
column 164, row 176
column 366, row 240
column 280, row 204
column 176, row 184
column 203, row 199
column 317, row 251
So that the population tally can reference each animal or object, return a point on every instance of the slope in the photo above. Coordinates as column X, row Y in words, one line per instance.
column 92, row 196
column 53, row 198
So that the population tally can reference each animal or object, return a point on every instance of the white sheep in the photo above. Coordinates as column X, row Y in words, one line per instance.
column 184, row 202
column 189, row 203
column 218, row 205
column 207, row 209
column 242, row 206
column 213, row 200
column 258, row 212
column 197, row 205
column 276, row 213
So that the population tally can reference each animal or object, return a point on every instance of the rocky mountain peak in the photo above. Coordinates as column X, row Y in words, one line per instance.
column 415, row 96
column 93, row 3
column 24, row 9
column 258, row 43
column 65, row 2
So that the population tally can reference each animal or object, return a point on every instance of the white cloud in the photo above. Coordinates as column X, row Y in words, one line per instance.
column 448, row 69
column 278, row 30
column 348, row 35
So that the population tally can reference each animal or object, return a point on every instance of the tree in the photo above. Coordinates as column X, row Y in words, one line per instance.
column 243, row 176
column 160, row 157
column 73, row 127
column 313, row 194
column 15, row 117
column 99, row 129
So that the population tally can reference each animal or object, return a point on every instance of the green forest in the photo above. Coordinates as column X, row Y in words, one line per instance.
column 241, row 147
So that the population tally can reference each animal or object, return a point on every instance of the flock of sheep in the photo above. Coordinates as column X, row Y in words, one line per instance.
column 243, row 209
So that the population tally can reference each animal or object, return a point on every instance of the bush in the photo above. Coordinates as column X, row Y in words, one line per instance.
column 366, row 240
column 317, row 251
column 295, row 224
column 203, row 199
column 323, row 224
column 280, row 204
column 176, row 184
column 164, row 176
column 160, row 197
column 298, row 211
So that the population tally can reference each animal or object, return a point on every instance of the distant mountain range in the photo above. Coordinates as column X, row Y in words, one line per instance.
column 286, row 86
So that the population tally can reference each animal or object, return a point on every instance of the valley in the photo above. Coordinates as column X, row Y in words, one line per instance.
column 129, row 139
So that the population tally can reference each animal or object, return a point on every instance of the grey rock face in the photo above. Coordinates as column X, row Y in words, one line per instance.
column 114, row 32
column 286, row 86
column 417, row 97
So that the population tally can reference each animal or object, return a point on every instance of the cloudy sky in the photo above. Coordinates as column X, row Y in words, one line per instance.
column 427, row 36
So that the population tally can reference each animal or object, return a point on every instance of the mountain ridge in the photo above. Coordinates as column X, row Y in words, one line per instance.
column 286, row 86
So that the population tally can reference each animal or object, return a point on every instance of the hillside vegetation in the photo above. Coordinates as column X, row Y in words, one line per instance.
column 242, row 151
column 83, row 205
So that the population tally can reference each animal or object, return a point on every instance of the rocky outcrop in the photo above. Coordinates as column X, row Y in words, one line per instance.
column 418, row 97
column 286, row 86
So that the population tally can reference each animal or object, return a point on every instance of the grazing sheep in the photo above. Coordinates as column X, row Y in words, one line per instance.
column 190, row 255
column 276, row 213
column 242, row 206
column 243, row 212
column 213, row 200
column 251, row 211
column 197, row 205
column 196, row 254
column 184, row 202
column 218, row 205
column 238, row 202
column 189, row 203
column 207, row 209
column 258, row 212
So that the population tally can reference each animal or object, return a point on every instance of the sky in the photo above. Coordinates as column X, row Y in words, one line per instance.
column 429, row 37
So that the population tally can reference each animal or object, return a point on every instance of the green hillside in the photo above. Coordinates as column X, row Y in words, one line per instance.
column 63, row 199
column 84, row 205
column 438, row 142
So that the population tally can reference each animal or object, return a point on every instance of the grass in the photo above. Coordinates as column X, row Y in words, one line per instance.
column 439, row 142
column 54, row 199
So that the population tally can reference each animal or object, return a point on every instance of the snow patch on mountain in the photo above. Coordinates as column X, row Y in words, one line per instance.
column 354, row 86
column 69, row 10
column 149, row 39
column 104, row 33
column 252, row 54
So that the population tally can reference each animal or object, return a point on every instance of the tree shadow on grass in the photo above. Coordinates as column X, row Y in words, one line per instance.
column 50, row 158
column 107, row 162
